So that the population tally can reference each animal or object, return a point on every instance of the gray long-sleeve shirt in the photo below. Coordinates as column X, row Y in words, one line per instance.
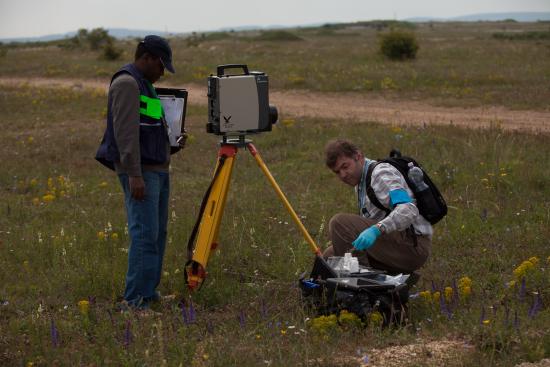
column 124, row 94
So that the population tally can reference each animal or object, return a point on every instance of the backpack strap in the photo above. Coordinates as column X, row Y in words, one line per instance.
column 370, row 191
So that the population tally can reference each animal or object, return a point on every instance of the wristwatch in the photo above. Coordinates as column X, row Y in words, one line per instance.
column 381, row 227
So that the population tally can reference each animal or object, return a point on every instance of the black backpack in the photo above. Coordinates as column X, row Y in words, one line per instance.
column 430, row 202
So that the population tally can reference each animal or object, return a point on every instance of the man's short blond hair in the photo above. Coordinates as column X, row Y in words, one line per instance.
column 337, row 148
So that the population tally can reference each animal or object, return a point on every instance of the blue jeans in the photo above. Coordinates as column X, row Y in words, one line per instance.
column 147, row 221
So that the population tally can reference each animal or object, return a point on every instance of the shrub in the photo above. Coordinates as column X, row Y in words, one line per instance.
column 110, row 52
column 96, row 37
column 398, row 45
column 523, row 36
column 278, row 35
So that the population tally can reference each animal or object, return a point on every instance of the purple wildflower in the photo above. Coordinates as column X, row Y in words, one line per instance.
column 242, row 319
column 366, row 359
column 522, row 289
column 516, row 320
column 536, row 307
column 455, row 298
column 444, row 308
column 210, row 327
column 263, row 309
column 434, row 288
column 184, row 314
column 192, row 314
column 506, row 314
column 54, row 334
column 127, row 335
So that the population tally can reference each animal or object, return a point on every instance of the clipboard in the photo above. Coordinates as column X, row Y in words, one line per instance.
column 174, row 105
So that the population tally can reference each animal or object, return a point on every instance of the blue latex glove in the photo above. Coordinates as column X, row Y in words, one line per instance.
column 367, row 238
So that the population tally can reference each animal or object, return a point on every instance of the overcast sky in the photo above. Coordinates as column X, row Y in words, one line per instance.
column 28, row 18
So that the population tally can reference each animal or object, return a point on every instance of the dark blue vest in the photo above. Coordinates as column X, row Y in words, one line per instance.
column 153, row 136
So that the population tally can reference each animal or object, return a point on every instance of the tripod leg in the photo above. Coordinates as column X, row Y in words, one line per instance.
column 283, row 198
column 211, row 219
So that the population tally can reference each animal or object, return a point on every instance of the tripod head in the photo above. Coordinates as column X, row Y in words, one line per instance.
column 239, row 141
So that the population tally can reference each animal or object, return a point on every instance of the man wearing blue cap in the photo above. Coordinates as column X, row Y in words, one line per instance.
column 136, row 146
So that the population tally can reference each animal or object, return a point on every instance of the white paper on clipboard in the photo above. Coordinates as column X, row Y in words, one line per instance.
column 173, row 113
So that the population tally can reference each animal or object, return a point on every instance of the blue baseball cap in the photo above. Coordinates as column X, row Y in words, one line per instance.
column 158, row 46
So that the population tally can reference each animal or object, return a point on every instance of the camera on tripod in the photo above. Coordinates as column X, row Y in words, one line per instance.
column 239, row 104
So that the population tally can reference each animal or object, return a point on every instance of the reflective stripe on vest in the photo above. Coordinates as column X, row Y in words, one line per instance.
column 150, row 107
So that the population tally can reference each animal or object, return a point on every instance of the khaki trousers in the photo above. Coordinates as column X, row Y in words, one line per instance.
column 394, row 252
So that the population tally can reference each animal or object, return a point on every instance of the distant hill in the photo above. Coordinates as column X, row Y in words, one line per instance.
column 489, row 17
column 115, row 32
column 132, row 33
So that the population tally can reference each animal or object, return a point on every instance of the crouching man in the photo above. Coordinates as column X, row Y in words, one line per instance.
column 397, row 239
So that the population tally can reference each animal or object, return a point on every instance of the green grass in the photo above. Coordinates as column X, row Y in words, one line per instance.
column 52, row 255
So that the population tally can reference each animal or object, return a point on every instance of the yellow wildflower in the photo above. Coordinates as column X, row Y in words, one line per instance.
column 465, row 287
column 258, row 336
column 519, row 272
column 30, row 139
column 34, row 182
column 349, row 319
column 48, row 198
column 448, row 294
column 205, row 356
column 50, row 182
column 103, row 184
column 528, row 264
column 114, row 236
column 534, row 260
column 511, row 284
column 523, row 269
column 465, row 291
column 426, row 296
column 101, row 235
column 376, row 318
column 396, row 129
column 324, row 324
column 288, row 122
column 486, row 322
column 84, row 307
column 464, row 282
column 283, row 332
column 26, row 264
column 36, row 201
column 436, row 296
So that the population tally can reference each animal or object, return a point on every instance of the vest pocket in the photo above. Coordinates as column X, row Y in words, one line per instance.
column 152, row 141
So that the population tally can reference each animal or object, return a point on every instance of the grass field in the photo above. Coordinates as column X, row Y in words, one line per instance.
column 458, row 64
column 63, row 242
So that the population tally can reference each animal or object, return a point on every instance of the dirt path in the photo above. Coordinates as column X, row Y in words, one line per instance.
column 353, row 106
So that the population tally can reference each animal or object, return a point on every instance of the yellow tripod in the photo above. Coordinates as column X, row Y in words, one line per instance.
column 212, row 210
